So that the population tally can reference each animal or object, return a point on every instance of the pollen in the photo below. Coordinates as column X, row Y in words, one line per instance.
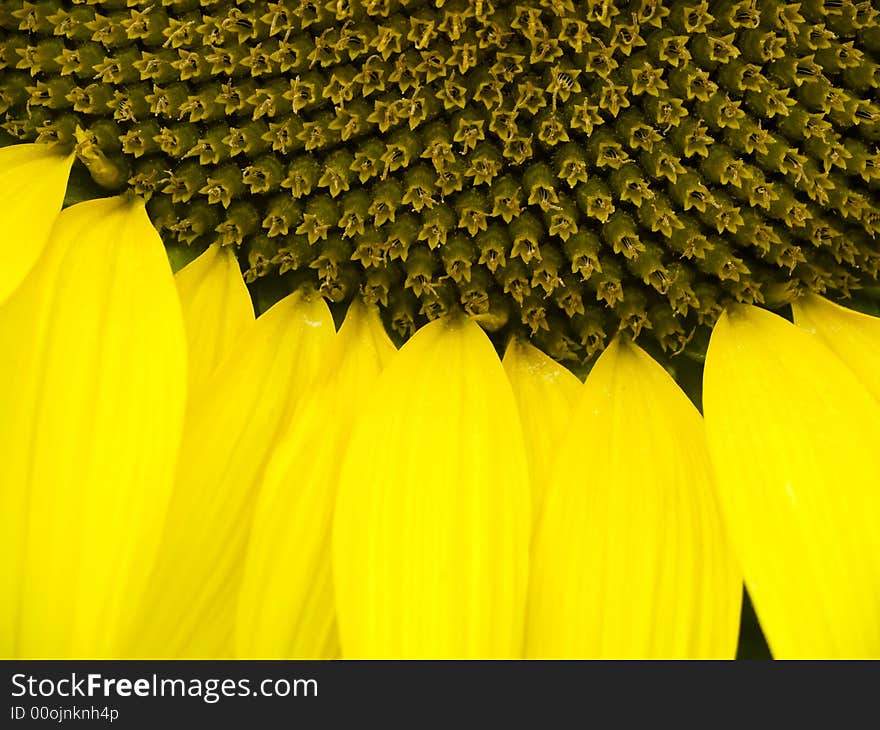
column 569, row 169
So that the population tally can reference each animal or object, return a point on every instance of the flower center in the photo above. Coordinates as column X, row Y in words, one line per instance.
column 569, row 168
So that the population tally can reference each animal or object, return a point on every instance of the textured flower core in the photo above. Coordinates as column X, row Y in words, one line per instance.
column 568, row 168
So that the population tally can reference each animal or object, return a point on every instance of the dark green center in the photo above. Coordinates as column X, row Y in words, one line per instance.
column 570, row 168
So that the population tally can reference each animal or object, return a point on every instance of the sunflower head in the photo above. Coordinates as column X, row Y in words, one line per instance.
column 184, row 479
column 563, row 169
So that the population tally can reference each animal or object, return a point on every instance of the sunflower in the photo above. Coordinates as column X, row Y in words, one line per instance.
column 566, row 328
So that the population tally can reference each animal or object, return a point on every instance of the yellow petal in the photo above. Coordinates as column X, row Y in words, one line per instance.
column 545, row 395
column 286, row 607
column 33, row 178
column 630, row 558
column 216, row 307
column 228, row 438
column 794, row 441
column 854, row 337
column 432, row 524
column 94, row 364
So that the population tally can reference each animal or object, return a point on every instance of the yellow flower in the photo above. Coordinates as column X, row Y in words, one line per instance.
column 306, row 442
column 794, row 428
column 631, row 558
column 431, row 533
column 301, row 492
column 28, row 211
column 286, row 605
column 229, row 435
column 545, row 394
column 94, row 362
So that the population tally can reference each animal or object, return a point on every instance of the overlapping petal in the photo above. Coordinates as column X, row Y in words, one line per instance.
column 854, row 337
column 630, row 557
column 94, row 366
column 545, row 394
column 794, row 440
column 432, row 525
column 129, row 529
column 228, row 437
column 286, row 607
column 33, row 178
column 217, row 310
